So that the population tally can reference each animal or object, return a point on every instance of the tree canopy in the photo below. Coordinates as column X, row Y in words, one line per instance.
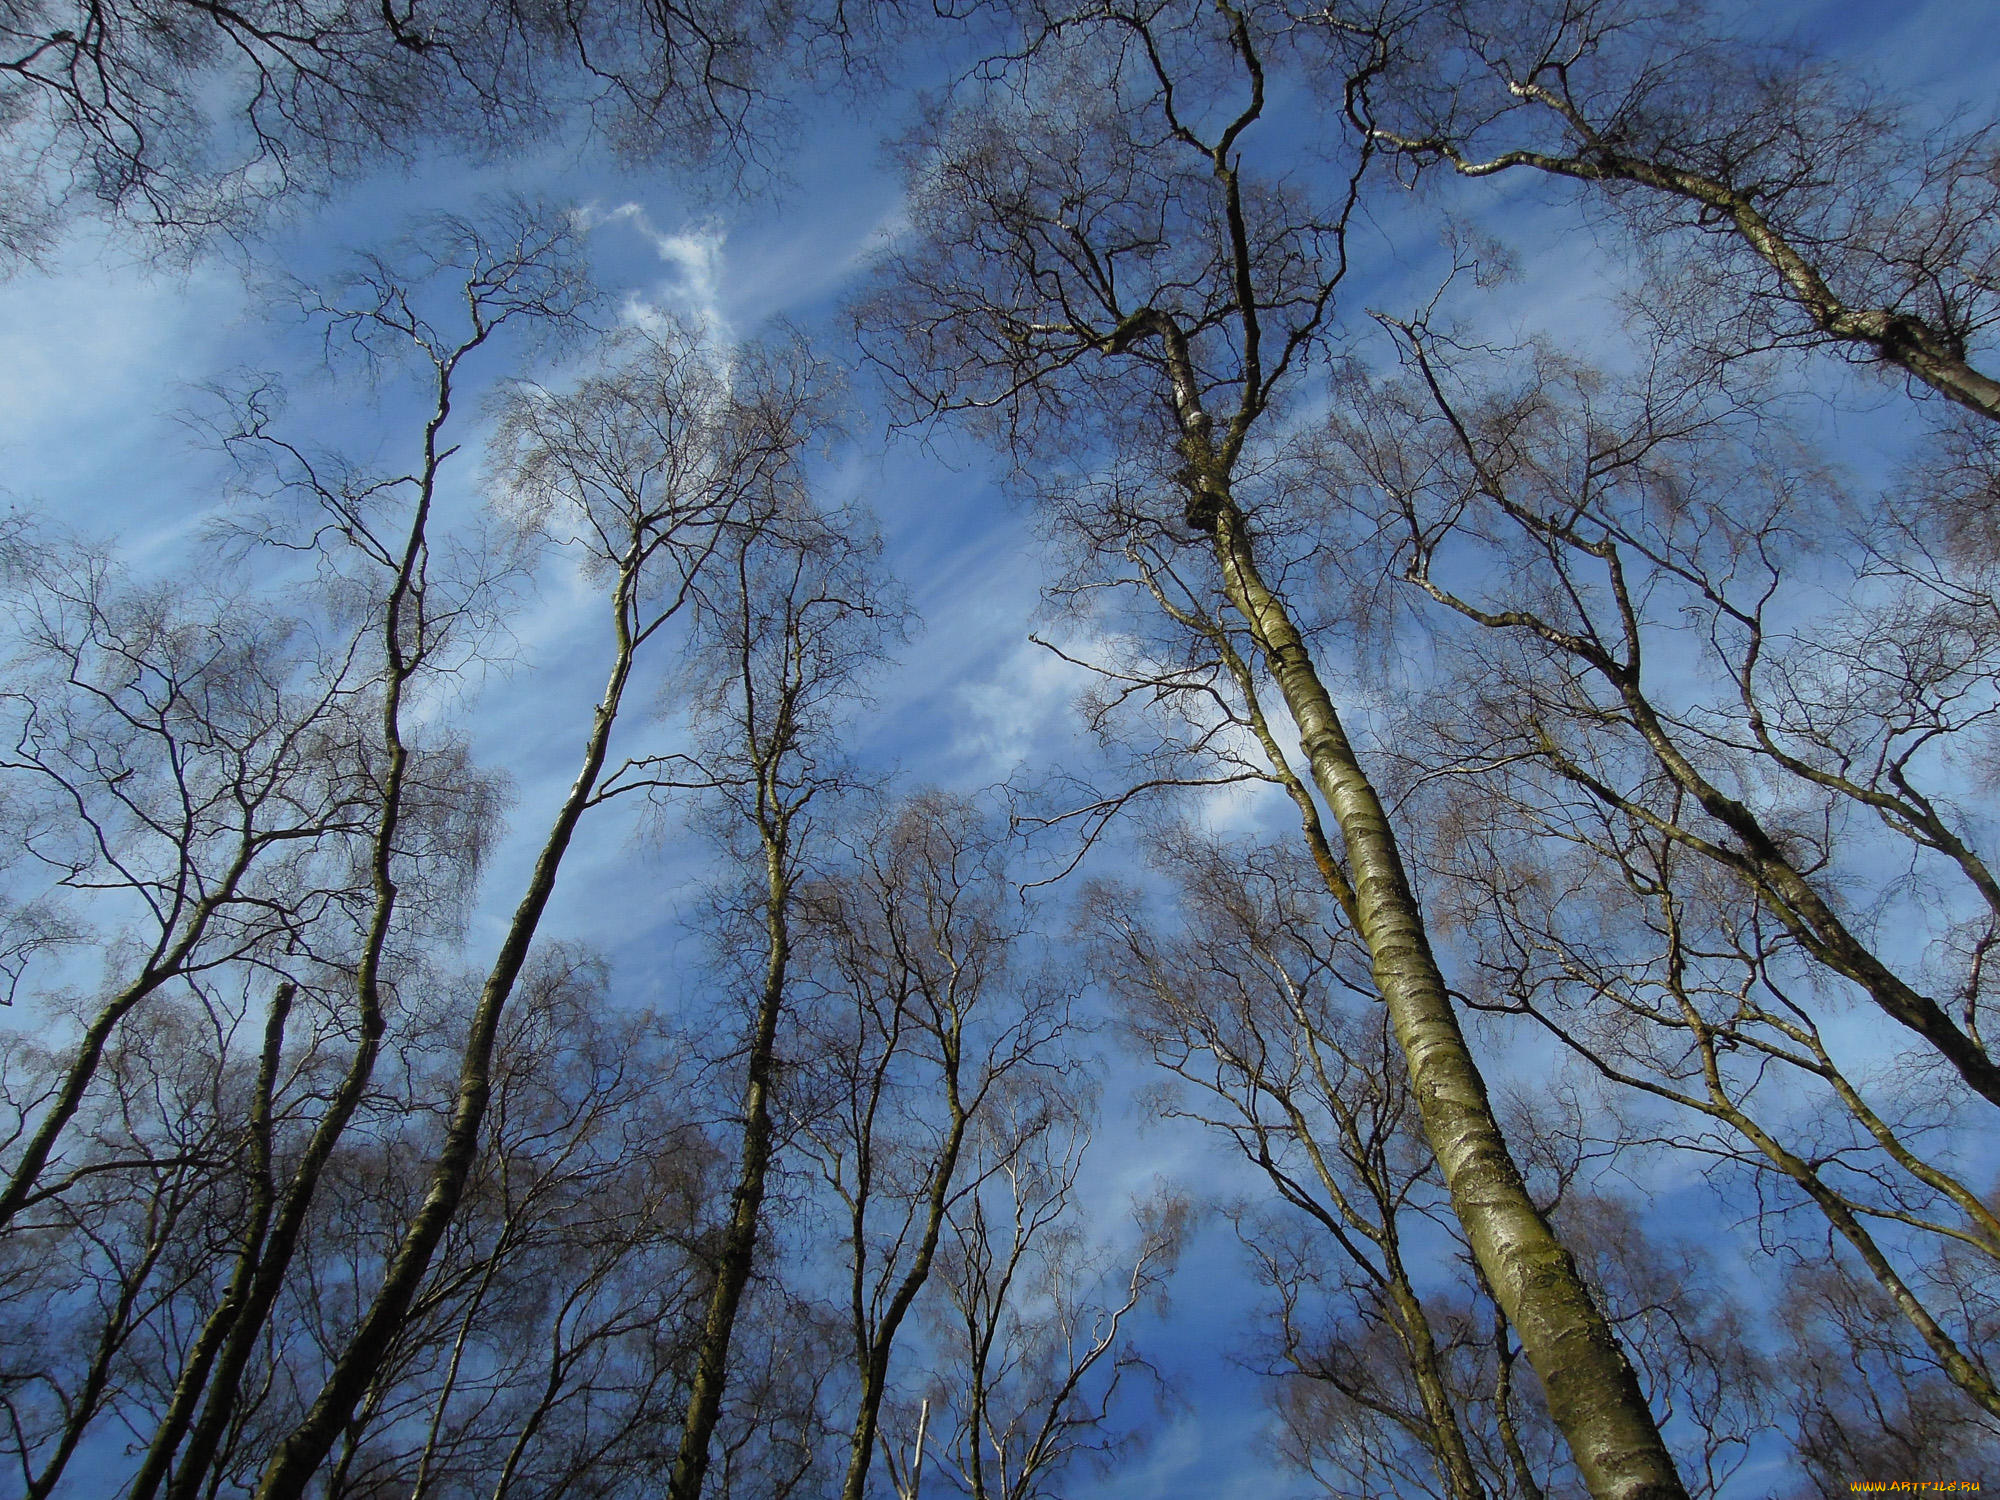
column 1023, row 748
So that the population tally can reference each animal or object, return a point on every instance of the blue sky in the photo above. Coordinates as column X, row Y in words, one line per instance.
column 101, row 353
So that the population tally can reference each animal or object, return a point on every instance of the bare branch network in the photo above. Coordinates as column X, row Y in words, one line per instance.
column 1487, row 964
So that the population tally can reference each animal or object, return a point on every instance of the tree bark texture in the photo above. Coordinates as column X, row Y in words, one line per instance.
column 1593, row 1393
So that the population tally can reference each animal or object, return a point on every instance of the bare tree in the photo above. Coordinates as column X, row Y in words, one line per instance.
column 929, row 1016
column 1092, row 247
column 796, row 614
column 94, row 1262
column 1392, row 1363
column 1034, row 1352
column 381, row 529
column 1869, row 752
column 547, row 1347
column 186, row 118
column 1682, row 879
column 648, row 495
column 1828, row 218
column 780, row 1432
column 200, row 767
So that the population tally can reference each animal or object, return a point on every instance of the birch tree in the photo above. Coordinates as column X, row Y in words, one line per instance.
column 1096, row 248
column 1800, row 206
column 1392, row 1367
column 797, row 613
column 930, row 1015
column 379, row 530
column 1682, row 881
column 647, row 482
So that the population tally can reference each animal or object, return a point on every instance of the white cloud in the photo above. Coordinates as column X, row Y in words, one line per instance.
column 1014, row 708
column 694, row 255
column 94, row 359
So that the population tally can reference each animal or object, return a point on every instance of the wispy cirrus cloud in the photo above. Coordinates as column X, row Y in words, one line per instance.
column 694, row 286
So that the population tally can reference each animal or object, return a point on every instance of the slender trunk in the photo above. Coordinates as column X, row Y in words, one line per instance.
column 917, row 1459
column 1503, row 1409
column 1405, row 1310
column 1593, row 1392
column 551, row 1388
column 20, row 1189
column 292, row 1465
column 247, row 1327
column 404, row 633
column 739, row 1245
column 1962, row 1371
column 193, row 1379
column 875, row 1366
column 867, row 1418
column 980, row 1403
column 1409, row 1318
column 350, row 1446
column 1447, row 1444
column 69, row 1098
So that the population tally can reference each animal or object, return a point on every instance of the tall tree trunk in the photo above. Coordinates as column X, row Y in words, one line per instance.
column 739, row 1245
column 1593, row 1393
column 270, row 1263
column 221, row 1323
column 305, row 1448
column 877, row 1349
